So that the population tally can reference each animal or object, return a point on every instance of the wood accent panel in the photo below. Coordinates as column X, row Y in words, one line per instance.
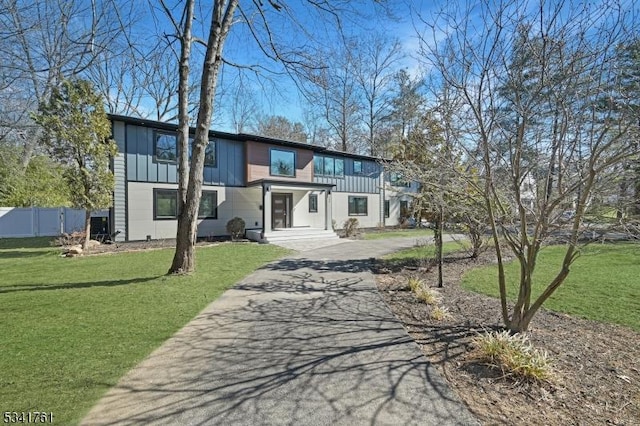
column 258, row 163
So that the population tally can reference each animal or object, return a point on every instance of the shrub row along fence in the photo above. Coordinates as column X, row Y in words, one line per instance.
column 39, row 222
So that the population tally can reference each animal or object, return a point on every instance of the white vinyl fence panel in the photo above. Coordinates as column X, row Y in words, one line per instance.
column 39, row 222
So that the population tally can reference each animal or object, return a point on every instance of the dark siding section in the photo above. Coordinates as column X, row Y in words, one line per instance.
column 367, row 182
column 141, row 167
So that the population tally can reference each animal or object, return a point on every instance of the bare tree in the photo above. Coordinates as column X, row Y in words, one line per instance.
column 375, row 66
column 276, row 126
column 43, row 42
column 243, row 107
column 277, row 46
column 334, row 90
column 535, row 82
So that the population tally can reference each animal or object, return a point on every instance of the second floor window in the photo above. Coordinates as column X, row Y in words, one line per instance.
column 282, row 163
column 165, row 147
column 209, row 153
column 357, row 167
column 328, row 166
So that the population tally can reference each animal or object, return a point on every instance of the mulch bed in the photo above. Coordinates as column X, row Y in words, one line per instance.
column 596, row 365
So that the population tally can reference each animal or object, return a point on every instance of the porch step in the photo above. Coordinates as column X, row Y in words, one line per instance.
column 293, row 234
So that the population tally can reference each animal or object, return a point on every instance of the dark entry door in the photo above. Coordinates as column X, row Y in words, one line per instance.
column 281, row 210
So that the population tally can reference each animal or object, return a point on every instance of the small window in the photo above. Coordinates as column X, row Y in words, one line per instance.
column 339, row 167
column 357, row 206
column 283, row 163
column 313, row 203
column 318, row 163
column 165, row 204
column 328, row 166
column 209, row 152
column 397, row 179
column 357, row 167
column 208, row 205
column 386, row 208
column 165, row 147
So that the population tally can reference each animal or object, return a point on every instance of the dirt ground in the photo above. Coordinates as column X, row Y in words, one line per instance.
column 596, row 365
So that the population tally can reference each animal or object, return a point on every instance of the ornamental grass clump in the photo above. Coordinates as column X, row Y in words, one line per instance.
column 440, row 313
column 514, row 355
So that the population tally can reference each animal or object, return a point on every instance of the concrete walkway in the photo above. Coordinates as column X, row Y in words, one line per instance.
column 306, row 340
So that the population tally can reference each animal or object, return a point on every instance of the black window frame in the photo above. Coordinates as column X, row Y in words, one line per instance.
column 158, row 159
column 313, row 205
column 215, row 205
column 387, row 209
column 174, row 193
column 320, row 161
column 212, row 145
column 360, row 170
column 164, row 191
column 396, row 179
column 352, row 202
column 271, row 150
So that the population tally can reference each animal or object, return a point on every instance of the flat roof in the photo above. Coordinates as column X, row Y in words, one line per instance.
column 243, row 137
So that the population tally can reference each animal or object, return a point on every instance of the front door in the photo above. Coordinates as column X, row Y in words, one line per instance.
column 281, row 210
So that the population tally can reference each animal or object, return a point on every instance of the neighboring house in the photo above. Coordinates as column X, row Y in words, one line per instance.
column 274, row 185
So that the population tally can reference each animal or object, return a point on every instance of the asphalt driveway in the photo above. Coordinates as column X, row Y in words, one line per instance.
column 306, row 340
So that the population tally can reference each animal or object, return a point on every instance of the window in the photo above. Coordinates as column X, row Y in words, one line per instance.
column 404, row 209
column 328, row 166
column 397, row 179
column 209, row 153
column 283, row 163
column 208, row 205
column 357, row 167
column 357, row 206
column 318, row 163
column 165, row 204
column 313, row 203
column 339, row 167
column 329, row 163
column 386, row 208
column 165, row 147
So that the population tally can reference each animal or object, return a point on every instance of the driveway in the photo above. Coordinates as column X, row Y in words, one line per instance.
column 306, row 340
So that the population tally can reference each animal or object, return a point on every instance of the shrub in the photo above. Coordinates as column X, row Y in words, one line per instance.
column 73, row 239
column 351, row 227
column 235, row 228
column 414, row 283
column 427, row 295
column 514, row 355
column 440, row 313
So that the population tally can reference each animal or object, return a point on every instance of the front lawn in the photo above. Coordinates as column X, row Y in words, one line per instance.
column 603, row 284
column 73, row 327
column 425, row 251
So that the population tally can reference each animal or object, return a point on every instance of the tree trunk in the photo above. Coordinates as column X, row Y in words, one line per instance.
column 221, row 20
column 438, row 243
column 87, row 229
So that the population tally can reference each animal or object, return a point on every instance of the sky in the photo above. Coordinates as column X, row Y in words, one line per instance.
column 300, row 26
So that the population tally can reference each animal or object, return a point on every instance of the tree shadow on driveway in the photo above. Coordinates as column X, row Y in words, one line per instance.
column 295, row 348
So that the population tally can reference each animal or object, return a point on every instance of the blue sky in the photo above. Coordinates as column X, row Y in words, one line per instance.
column 275, row 93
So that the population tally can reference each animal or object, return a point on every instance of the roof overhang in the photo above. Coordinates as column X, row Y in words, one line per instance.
column 291, row 185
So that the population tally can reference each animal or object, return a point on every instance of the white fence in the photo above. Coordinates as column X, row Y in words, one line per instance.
column 39, row 222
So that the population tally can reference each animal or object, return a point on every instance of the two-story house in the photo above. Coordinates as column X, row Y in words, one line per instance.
column 274, row 185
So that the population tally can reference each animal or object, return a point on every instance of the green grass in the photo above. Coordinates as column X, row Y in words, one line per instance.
column 603, row 284
column 424, row 251
column 72, row 327
column 418, row 233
